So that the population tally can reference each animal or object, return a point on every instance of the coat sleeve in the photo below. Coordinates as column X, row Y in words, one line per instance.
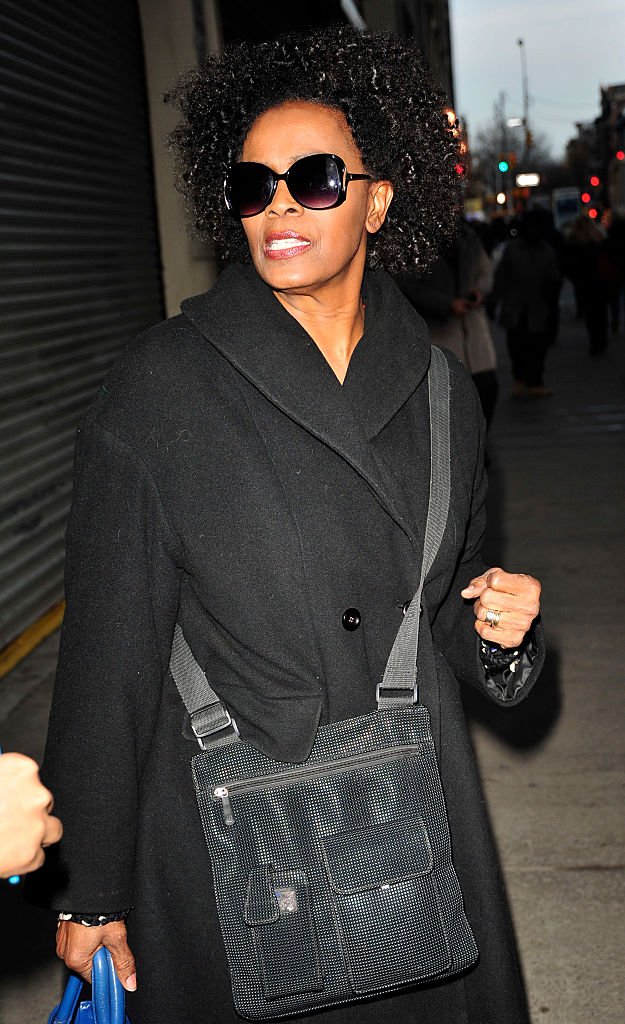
column 500, row 278
column 553, row 275
column 122, row 588
column 453, row 627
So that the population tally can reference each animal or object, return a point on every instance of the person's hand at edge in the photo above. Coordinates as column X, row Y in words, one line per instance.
column 27, row 825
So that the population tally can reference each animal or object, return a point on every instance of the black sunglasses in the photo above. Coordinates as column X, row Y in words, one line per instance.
column 318, row 182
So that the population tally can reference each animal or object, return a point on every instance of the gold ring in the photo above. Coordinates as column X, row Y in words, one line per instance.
column 493, row 618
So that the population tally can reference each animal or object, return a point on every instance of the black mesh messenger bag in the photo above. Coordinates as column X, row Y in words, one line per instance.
column 333, row 878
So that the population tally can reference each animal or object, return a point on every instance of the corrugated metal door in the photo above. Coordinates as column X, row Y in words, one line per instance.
column 79, row 261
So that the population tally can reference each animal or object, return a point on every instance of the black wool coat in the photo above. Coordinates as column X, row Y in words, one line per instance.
column 225, row 478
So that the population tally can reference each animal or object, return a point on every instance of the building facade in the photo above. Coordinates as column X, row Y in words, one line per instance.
column 598, row 152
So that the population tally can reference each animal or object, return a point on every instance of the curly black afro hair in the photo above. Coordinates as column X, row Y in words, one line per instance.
column 383, row 87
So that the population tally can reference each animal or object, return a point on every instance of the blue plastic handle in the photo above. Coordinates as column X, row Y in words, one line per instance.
column 108, row 991
column 108, row 1000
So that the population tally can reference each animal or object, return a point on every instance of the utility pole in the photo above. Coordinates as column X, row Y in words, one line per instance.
column 503, row 123
column 527, row 144
column 500, row 121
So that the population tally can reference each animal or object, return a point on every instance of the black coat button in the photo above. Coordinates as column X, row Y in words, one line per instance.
column 351, row 619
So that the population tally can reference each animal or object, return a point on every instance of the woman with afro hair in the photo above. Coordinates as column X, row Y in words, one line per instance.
column 256, row 469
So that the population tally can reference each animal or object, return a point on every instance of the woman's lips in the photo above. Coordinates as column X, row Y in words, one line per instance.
column 284, row 245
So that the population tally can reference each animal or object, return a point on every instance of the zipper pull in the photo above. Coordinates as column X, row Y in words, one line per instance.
column 221, row 793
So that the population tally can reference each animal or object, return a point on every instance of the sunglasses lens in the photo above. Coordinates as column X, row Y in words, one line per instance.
column 248, row 189
column 315, row 182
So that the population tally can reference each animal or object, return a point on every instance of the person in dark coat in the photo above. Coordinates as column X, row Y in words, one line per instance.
column 527, row 285
column 587, row 264
column 257, row 469
column 615, row 258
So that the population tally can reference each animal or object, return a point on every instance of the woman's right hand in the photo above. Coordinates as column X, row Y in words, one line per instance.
column 76, row 945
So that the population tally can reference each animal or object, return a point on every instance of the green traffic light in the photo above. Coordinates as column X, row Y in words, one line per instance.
column 503, row 166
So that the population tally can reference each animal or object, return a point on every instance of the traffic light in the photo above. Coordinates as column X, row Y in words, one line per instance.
column 503, row 165
column 595, row 181
column 585, row 197
column 620, row 155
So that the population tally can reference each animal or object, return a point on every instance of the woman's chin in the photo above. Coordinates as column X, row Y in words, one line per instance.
column 291, row 274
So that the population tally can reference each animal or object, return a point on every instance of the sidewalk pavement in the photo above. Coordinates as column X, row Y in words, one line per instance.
column 553, row 767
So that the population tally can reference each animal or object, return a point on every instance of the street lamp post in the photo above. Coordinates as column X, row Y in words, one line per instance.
column 528, row 137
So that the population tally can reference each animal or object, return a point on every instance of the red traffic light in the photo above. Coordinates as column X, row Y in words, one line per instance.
column 593, row 214
column 585, row 197
column 620, row 155
column 594, row 181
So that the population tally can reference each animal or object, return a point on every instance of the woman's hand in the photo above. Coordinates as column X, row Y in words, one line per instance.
column 460, row 306
column 26, row 821
column 513, row 597
column 76, row 945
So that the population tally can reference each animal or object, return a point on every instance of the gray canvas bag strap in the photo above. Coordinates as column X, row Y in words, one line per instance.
column 399, row 683
column 212, row 723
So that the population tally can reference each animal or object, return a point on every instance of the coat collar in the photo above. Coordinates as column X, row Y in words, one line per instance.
column 242, row 318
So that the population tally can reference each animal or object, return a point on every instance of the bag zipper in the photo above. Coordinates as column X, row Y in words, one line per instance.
column 223, row 791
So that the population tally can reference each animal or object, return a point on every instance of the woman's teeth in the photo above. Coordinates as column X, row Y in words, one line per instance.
column 286, row 243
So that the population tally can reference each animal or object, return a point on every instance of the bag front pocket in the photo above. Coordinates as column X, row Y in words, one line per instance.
column 278, row 911
column 386, row 904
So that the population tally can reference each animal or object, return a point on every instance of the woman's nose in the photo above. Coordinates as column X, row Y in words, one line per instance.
column 283, row 202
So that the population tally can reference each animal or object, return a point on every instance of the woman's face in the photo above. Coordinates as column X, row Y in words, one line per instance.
column 330, row 243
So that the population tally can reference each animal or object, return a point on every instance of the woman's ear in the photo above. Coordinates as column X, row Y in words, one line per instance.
column 380, row 198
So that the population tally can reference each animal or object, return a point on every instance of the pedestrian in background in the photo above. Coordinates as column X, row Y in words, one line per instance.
column 526, row 279
column 554, row 238
column 450, row 298
column 615, row 249
column 587, row 264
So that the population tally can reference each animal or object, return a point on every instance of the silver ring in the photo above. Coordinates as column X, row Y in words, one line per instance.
column 493, row 618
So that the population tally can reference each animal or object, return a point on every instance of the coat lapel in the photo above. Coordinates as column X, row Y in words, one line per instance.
column 392, row 358
column 242, row 318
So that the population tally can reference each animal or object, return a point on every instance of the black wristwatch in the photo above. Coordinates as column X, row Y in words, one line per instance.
column 495, row 659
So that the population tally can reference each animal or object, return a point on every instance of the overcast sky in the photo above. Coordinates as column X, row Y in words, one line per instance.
column 572, row 47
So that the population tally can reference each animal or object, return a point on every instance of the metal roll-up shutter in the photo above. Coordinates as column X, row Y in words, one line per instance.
column 79, row 261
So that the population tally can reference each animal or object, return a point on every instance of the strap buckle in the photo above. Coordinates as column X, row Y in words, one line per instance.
column 399, row 694
column 213, row 725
